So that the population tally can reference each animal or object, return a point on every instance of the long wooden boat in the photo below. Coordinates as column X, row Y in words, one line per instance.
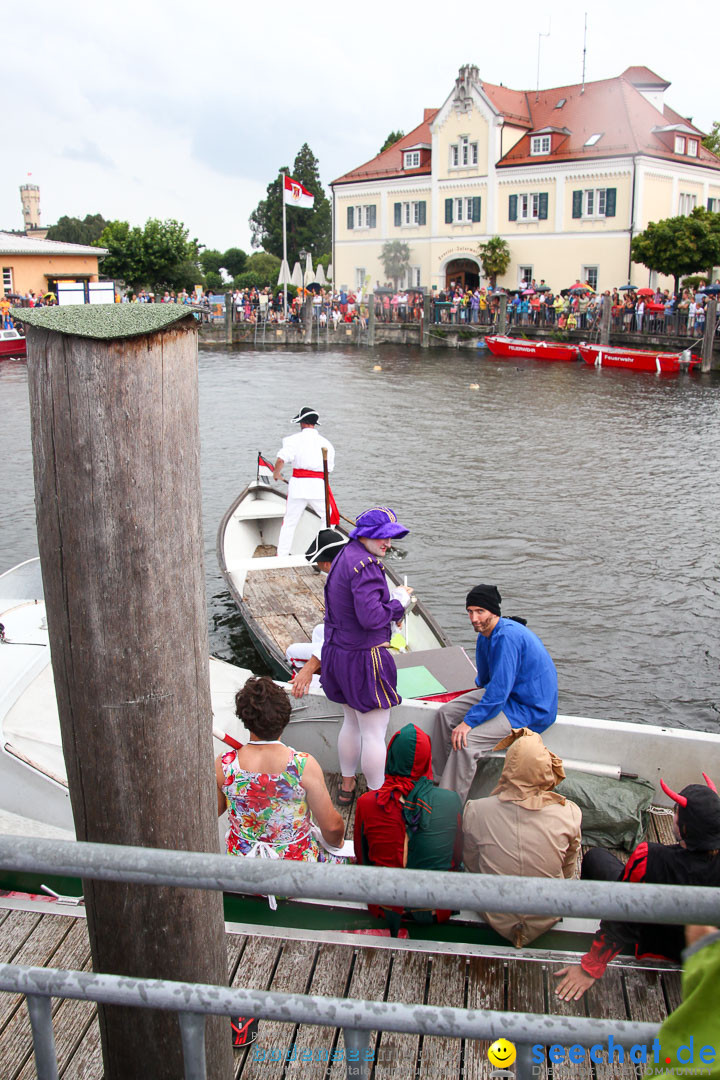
column 281, row 599
column 507, row 348
column 33, row 779
column 12, row 343
column 617, row 356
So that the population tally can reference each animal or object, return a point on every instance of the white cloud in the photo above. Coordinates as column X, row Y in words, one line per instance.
column 188, row 111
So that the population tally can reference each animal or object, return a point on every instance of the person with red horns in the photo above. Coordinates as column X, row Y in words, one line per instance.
column 693, row 860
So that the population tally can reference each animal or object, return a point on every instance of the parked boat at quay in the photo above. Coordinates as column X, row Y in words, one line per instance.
column 12, row 343
column 507, row 347
column 618, row 356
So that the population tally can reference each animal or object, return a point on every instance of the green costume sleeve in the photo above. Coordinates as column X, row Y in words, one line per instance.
column 690, row 1037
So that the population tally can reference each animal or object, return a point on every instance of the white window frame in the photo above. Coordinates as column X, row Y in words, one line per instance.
column 359, row 278
column 7, row 279
column 411, row 279
column 412, row 159
column 410, row 214
column 692, row 147
column 715, row 205
column 594, row 202
column 539, row 144
column 525, row 275
column 687, row 202
column 594, row 138
column 590, row 274
column 361, row 216
column 528, row 206
column 463, row 154
column 462, row 210
column 679, row 144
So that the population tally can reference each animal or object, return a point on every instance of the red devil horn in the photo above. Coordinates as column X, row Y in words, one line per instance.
column 709, row 783
column 679, row 799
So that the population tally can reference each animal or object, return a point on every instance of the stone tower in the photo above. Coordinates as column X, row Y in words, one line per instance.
column 30, row 198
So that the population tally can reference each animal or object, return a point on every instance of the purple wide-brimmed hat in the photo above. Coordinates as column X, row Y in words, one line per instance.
column 378, row 523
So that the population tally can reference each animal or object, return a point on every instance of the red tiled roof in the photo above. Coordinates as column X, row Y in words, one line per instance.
column 613, row 107
column 390, row 162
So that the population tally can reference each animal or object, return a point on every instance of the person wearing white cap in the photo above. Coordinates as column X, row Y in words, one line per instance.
column 306, row 487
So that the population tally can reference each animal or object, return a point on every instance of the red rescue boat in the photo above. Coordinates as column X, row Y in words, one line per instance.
column 508, row 347
column 638, row 359
column 12, row 343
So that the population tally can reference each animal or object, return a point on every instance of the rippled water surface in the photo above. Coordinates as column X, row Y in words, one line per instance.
column 590, row 497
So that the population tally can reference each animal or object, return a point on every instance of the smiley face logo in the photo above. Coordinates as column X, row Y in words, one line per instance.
column 502, row 1053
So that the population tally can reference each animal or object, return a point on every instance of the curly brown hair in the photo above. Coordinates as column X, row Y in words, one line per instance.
column 263, row 707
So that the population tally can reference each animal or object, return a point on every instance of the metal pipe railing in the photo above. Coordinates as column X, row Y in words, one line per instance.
column 379, row 885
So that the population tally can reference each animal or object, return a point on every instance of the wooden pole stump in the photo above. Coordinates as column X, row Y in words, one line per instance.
column 116, row 459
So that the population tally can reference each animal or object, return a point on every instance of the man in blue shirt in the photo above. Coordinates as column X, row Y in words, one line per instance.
column 518, row 688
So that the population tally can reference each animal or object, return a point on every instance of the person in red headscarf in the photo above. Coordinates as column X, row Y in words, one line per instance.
column 408, row 822
column 693, row 860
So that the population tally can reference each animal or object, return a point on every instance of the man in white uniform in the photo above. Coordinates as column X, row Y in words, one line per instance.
column 304, row 452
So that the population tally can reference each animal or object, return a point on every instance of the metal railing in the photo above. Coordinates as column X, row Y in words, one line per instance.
column 192, row 1002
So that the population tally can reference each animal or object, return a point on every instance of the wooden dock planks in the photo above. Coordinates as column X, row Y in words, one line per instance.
column 513, row 982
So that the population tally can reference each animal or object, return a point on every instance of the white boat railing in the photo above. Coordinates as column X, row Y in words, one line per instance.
column 192, row 1002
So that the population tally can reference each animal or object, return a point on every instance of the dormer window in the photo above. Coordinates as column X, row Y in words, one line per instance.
column 463, row 153
column 539, row 144
column 679, row 144
column 692, row 148
column 412, row 159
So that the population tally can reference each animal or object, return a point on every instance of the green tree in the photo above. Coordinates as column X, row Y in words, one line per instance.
column 160, row 256
column 679, row 245
column 495, row 258
column 71, row 230
column 306, row 229
column 712, row 141
column 395, row 257
column 392, row 138
column 234, row 260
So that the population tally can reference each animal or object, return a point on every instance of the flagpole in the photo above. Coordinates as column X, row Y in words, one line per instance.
column 285, row 263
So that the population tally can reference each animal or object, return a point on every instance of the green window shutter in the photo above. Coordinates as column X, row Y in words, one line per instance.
column 398, row 213
column 610, row 201
column 422, row 213
column 543, row 206
column 512, row 208
column 476, row 203
column 577, row 204
column 351, row 217
column 448, row 211
column 373, row 217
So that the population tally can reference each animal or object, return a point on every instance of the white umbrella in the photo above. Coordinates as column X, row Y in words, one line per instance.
column 309, row 272
column 320, row 275
column 284, row 277
column 330, row 272
column 296, row 278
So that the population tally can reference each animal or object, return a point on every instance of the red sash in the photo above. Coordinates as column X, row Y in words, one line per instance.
column 311, row 474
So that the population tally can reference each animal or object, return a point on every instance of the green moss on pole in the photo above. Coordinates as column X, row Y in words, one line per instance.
column 104, row 321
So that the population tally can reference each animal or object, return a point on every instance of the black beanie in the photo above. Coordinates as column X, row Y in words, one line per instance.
column 484, row 596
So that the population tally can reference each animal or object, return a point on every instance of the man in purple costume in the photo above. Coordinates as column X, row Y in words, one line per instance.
column 357, row 669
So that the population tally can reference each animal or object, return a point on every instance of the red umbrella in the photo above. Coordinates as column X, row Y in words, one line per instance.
column 646, row 292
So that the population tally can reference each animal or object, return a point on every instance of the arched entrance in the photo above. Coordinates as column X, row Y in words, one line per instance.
column 465, row 272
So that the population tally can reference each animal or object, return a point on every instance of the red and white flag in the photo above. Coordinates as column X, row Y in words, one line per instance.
column 294, row 194
column 264, row 470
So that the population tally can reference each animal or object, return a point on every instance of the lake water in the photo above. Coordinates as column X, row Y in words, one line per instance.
column 590, row 497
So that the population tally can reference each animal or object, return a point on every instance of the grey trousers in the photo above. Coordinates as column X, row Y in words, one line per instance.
column 455, row 769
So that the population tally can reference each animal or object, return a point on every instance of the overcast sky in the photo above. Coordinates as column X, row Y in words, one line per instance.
column 188, row 110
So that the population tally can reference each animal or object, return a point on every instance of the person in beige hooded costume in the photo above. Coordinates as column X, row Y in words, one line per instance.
column 523, row 829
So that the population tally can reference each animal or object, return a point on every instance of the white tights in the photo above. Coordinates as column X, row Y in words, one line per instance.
column 362, row 742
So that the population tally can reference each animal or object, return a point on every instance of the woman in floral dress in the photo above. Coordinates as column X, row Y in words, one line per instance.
column 277, row 803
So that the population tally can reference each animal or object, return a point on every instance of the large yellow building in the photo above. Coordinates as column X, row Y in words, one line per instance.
column 566, row 176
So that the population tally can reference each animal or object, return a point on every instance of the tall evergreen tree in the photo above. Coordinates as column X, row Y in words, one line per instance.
column 72, row 230
column 306, row 229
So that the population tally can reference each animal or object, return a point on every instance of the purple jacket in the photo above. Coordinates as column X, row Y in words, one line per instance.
column 358, row 608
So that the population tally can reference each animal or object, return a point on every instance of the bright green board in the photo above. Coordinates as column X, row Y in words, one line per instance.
column 418, row 682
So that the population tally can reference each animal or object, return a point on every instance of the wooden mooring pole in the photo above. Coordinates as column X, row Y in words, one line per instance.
column 709, row 335
column 116, row 459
